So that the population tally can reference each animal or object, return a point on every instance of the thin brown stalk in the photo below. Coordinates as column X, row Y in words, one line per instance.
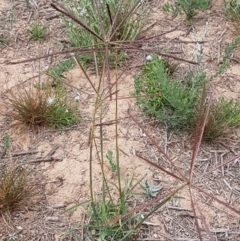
column 195, row 215
column 203, row 221
column 201, row 123
column 116, row 141
column 92, row 131
column 158, row 167
column 137, row 48
column 108, row 71
column 144, row 38
column 80, row 50
column 84, row 72
column 221, row 165
column 217, row 200
column 109, row 14
column 96, row 4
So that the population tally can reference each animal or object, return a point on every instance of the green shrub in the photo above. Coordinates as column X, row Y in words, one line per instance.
column 177, row 103
column 166, row 99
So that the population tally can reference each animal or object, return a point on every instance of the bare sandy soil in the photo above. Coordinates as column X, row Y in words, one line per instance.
column 64, row 180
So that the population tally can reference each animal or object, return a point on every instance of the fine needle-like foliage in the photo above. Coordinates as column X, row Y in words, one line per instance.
column 14, row 186
column 36, row 107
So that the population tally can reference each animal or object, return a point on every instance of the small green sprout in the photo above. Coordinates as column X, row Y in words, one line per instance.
column 150, row 190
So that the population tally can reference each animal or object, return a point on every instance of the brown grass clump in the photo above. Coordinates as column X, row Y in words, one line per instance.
column 29, row 107
column 37, row 107
column 14, row 186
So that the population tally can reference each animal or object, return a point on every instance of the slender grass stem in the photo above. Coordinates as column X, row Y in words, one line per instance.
column 116, row 133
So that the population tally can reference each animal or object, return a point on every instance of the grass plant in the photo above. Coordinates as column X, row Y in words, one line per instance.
column 232, row 9
column 37, row 107
column 37, row 31
column 14, row 186
column 112, row 163
column 223, row 114
column 105, row 208
column 113, row 20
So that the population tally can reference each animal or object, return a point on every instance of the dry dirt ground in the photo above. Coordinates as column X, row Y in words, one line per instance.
column 64, row 180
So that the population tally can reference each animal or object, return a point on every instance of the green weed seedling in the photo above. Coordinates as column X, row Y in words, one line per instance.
column 187, row 7
column 228, row 51
column 5, row 145
column 27, row 3
column 37, row 31
column 6, row 141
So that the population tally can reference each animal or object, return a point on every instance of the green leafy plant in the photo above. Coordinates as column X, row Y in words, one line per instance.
column 36, row 107
column 188, row 7
column 5, row 145
column 37, row 31
column 150, row 190
column 178, row 103
column 14, row 186
column 166, row 99
column 223, row 114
